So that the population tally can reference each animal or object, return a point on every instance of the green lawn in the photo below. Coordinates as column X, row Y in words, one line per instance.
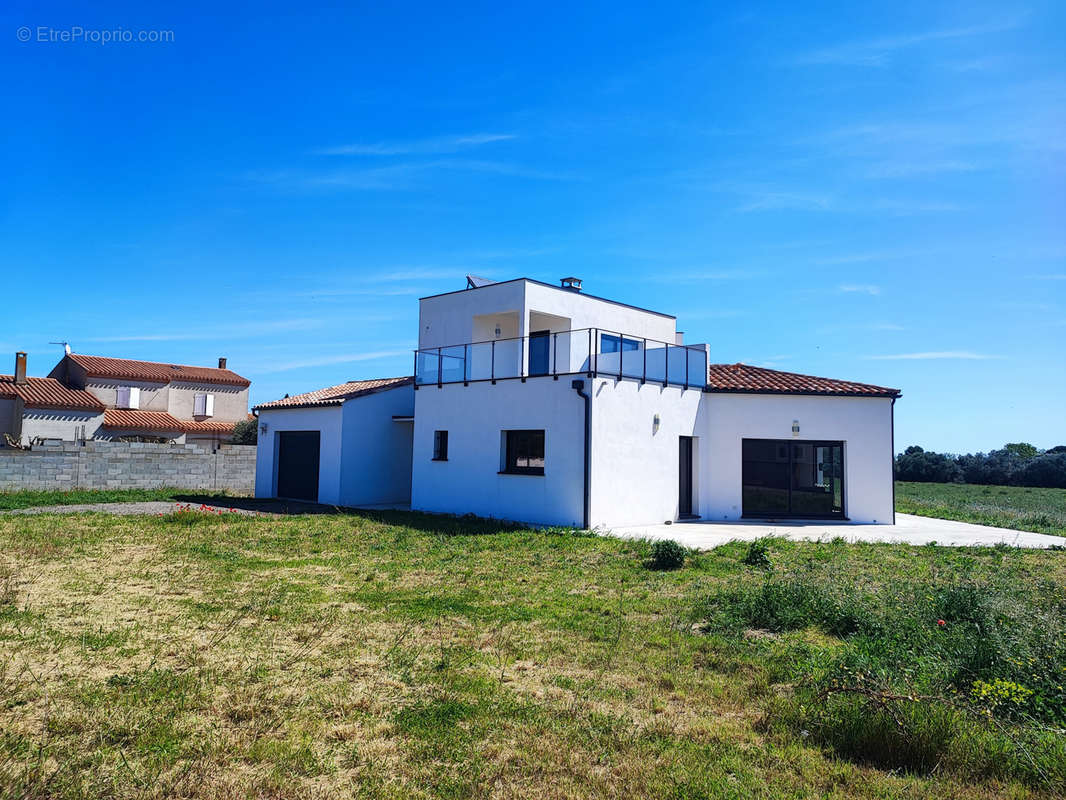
column 1016, row 507
column 401, row 655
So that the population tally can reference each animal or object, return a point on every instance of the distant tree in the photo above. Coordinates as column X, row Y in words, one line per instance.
column 246, row 432
column 915, row 464
column 1047, row 469
column 1022, row 450
column 1061, row 448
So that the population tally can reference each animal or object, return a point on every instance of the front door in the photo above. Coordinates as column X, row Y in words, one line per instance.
column 789, row 478
column 684, row 481
column 298, row 453
column 539, row 351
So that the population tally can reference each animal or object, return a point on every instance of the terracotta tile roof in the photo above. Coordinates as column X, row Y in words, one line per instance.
column 759, row 380
column 136, row 420
column 336, row 395
column 48, row 393
column 101, row 367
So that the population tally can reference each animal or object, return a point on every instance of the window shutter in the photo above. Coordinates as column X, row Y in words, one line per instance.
column 209, row 405
column 134, row 397
column 122, row 397
column 199, row 405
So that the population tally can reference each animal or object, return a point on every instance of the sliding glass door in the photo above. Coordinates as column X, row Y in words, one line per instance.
column 785, row 477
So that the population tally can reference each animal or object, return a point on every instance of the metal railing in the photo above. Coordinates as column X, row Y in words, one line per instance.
column 584, row 351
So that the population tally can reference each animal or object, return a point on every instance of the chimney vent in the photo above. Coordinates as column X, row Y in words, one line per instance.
column 573, row 284
column 20, row 368
column 222, row 362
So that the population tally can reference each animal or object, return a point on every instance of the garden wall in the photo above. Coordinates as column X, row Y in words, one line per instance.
column 128, row 465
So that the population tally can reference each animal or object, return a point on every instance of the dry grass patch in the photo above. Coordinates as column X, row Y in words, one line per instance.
column 399, row 655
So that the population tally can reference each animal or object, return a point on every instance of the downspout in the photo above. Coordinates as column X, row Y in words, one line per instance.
column 579, row 387
column 893, row 456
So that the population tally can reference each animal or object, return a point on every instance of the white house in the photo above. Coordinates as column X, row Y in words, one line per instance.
column 544, row 404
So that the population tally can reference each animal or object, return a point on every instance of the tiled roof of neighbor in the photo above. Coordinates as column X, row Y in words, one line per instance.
column 135, row 420
column 48, row 393
column 759, row 380
column 336, row 395
column 102, row 367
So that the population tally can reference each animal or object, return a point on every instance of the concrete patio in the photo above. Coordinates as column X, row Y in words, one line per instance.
column 909, row 529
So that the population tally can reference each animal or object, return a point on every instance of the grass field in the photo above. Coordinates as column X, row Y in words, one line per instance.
column 399, row 655
column 30, row 498
column 1018, row 507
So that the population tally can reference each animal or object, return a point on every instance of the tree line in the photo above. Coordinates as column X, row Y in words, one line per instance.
column 1014, row 464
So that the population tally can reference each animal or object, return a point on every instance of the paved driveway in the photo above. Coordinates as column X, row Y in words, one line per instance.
column 908, row 529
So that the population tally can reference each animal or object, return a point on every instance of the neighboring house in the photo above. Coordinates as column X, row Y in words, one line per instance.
column 543, row 404
column 44, row 408
column 115, row 398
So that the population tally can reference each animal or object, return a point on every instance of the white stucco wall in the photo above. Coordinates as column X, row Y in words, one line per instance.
column 635, row 467
column 328, row 420
column 863, row 424
column 448, row 319
column 58, row 424
column 474, row 416
column 376, row 450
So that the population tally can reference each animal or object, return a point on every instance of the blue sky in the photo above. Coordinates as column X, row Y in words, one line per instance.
column 872, row 192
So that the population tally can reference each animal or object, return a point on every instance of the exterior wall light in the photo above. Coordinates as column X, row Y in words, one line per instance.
column 795, row 428
column 263, row 428
column 655, row 423
column 497, row 331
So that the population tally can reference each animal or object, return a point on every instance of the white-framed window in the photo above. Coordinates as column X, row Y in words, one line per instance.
column 128, row 397
column 203, row 405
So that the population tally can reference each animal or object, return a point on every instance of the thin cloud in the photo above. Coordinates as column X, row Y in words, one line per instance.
column 396, row 177
column 878, row 52
column 963, row 355
column 855, row 288
column 324, row 361
column 910, row 169
column 443, row 144
column 220, row 332
column 794, row 201
column 716, row 275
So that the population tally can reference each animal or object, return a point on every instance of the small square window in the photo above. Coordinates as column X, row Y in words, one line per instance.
column 523, row 452
column 440, row 445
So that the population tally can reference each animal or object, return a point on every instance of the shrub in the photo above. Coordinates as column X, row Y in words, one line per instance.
column 246, row 432
column 667, row 554
column 758, row 554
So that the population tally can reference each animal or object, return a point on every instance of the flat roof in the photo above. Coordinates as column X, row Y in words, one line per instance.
column 550, row 286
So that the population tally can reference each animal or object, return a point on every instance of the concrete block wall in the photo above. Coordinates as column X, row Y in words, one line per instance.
column 128, row 465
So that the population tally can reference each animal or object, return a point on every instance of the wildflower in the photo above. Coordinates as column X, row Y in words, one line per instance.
column 941, row 623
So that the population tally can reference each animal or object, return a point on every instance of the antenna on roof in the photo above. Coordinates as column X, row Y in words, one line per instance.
column 66, row 347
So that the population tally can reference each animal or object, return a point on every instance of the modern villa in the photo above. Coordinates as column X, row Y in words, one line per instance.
column 540, row 403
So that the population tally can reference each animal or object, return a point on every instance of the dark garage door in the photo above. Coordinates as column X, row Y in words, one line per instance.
column 298, row 465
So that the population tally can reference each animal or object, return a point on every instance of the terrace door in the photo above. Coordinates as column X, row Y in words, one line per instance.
column 539, row 352
column 789, row 478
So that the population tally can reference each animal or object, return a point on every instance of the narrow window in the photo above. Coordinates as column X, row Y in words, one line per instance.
column 209, row 405
column 523, row 452
column 199, row 406
column 440, row 445
column 134, row 398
